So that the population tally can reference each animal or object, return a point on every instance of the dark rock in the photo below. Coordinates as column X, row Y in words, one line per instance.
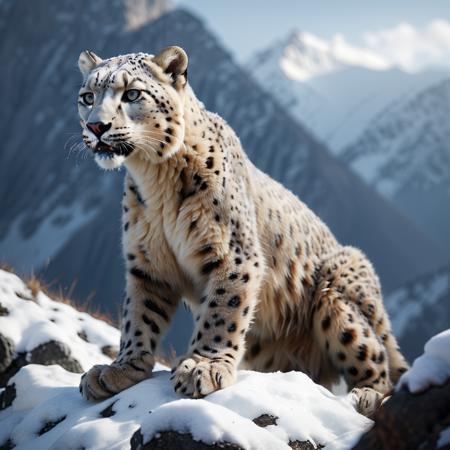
column 6, row 352
column 108, row 411
column 82, row 335
column 18, row 362
column 3, row 310
column 49, row 425
column 265, row 420
column 8, row 445
column 54, row 352
column 409, row 421
column 304, row 445
column 7, row 396
column 110, row 350
column 24, row 296
column 170, row 440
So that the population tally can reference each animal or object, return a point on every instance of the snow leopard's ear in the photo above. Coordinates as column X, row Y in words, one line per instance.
column 174, row 62
column 87, row 61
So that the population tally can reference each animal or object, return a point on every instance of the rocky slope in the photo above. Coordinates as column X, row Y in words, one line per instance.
column 389, row 126
column 418, row 413
column 60, row 214
column 405, row 154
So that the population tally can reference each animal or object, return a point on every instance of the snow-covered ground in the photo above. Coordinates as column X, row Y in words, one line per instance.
column 32, row 321
column 48, row 411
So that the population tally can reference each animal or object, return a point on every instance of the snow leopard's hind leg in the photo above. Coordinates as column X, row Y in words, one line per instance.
column 352, row 327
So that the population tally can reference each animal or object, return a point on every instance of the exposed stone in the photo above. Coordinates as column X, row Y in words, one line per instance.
column 304, row 445
column 49, row 425
column 54, row 352
column 6, row 352
column 110, row 350
column 407, row 421
column 108, row 411
column 170, row 440
column 18, row 362
column 7, row 396
column 265, row 420
column 24, row 296
column 82, row 335
column 4, row 311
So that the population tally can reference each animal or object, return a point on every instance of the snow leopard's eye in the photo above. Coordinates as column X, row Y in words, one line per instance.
column 131, row 95
column 88, row 98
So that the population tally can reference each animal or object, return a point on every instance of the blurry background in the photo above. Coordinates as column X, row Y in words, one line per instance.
column 346, row 103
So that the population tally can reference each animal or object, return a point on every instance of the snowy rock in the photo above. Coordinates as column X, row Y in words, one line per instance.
column 55, row 352
column 171, row 440
column 7, row 396
column 261, row 411
column 6, row 352
column 168, row 440
column 418, row 413
column 410, row 421
column 39, row 330
column 3, row 311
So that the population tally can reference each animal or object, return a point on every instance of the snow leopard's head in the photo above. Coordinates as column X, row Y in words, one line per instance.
column 131, row 106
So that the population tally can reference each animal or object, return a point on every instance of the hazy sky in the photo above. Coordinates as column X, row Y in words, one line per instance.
column 248, row 25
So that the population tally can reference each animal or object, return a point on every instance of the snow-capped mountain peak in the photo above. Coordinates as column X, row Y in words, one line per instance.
column 332, row 86
column 305, row 56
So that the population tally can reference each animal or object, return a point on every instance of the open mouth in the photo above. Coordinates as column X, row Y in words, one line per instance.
column 104, row 150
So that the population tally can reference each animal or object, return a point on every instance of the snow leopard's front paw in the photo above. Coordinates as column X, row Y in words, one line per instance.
column 367, row 400
column 103, row 381
column 197, row 376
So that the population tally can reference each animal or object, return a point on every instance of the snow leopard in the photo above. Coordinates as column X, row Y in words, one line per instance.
column 269, row 286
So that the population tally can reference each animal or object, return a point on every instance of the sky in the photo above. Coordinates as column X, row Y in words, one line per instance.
column 384, row 26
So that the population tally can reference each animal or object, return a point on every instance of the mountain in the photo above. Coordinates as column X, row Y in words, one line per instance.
column 419, row 310
column 333, row 88
column 405, row 154
column 61, row 214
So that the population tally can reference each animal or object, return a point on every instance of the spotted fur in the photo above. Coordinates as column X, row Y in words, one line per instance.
column 268, row 284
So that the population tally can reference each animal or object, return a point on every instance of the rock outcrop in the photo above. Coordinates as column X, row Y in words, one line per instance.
column 410, row 421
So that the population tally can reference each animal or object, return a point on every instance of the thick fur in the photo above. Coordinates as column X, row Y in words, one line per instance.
column 268, row 284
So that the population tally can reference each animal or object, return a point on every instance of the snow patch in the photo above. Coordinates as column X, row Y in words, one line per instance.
column 37, row 321
column 430, row 369
column 305, row 411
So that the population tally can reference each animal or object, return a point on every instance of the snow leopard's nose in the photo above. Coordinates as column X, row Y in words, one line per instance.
column 98, row 128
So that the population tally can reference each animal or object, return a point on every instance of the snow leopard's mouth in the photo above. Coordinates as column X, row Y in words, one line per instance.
column 104, row 150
